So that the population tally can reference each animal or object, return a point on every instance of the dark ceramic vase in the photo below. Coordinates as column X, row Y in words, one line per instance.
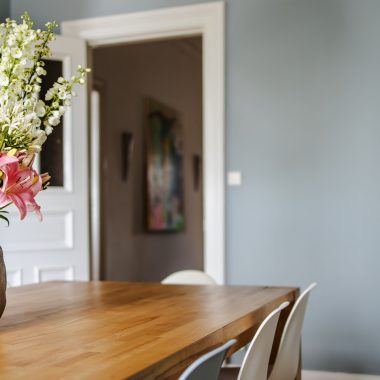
column 3, row 283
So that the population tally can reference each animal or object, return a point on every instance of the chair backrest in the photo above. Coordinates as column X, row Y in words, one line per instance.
column 286, row 363
column 207, row 367
column 189, row 277
column 256, row 360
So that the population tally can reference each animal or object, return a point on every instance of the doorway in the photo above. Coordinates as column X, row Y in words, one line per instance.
column 206, row 20
column 152, row 201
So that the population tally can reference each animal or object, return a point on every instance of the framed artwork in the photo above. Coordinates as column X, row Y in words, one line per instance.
column 164, row 168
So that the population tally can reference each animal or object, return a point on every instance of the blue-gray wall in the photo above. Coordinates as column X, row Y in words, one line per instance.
column 303, row 125
column 4, row 9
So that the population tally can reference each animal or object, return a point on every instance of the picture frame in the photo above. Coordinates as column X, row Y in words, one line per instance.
column 164, row 168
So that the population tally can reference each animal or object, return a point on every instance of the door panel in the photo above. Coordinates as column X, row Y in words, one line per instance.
column 58, row 247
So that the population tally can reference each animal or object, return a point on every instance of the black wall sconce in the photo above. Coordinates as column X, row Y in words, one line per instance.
column 126, row 153
column 197, row 171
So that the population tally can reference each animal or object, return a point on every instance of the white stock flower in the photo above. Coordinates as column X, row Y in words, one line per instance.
column 40, row 108
column 54, row 121
column 4, row 80
column 40, row 71
column 48, row 129
column 26, row 119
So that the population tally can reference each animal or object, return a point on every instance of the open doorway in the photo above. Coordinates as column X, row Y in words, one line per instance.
column 205, row 20
column 151, row 150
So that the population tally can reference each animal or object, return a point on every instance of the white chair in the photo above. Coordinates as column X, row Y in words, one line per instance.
column 286, row 364
column 189, row 277
column 207, row 367
column 256, row 360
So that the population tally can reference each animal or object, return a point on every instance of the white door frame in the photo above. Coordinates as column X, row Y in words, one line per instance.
column 206, row 20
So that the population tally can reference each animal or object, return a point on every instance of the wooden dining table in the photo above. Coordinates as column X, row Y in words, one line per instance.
column 121, row 330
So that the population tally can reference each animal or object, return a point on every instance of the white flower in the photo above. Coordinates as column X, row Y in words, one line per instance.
column 40, row 71
column 48, row 129
column 25, row 119
column 4, row 80
column 49, row 95
column 54, row 121
column 40, row 108
column 17, row 53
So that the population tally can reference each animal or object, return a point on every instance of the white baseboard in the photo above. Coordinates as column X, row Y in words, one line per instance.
column 319, row 375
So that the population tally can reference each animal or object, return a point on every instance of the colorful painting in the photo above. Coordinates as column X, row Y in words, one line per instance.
column 165, row 200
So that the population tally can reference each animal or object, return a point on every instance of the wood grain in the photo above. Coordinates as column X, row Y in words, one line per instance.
column 119, row 330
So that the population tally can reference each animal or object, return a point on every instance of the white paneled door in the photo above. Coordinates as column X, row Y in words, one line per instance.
column 58, row 247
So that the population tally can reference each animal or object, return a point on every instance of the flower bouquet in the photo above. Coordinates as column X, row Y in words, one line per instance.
column 26, row 119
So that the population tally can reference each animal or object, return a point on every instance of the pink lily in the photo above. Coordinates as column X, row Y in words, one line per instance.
column 20, row 185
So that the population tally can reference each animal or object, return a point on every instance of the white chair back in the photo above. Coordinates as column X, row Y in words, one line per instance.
column 286, row 363
column 256, row 360
column 207, row 367
column 189, row 277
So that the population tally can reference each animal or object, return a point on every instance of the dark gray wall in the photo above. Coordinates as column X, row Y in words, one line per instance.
column 4, row 10
column 303, row 115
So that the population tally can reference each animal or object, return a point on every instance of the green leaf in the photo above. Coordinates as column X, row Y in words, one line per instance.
column 4, row 218
column 2, row 208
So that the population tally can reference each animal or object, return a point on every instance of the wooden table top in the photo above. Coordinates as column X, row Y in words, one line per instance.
column 120, row 330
